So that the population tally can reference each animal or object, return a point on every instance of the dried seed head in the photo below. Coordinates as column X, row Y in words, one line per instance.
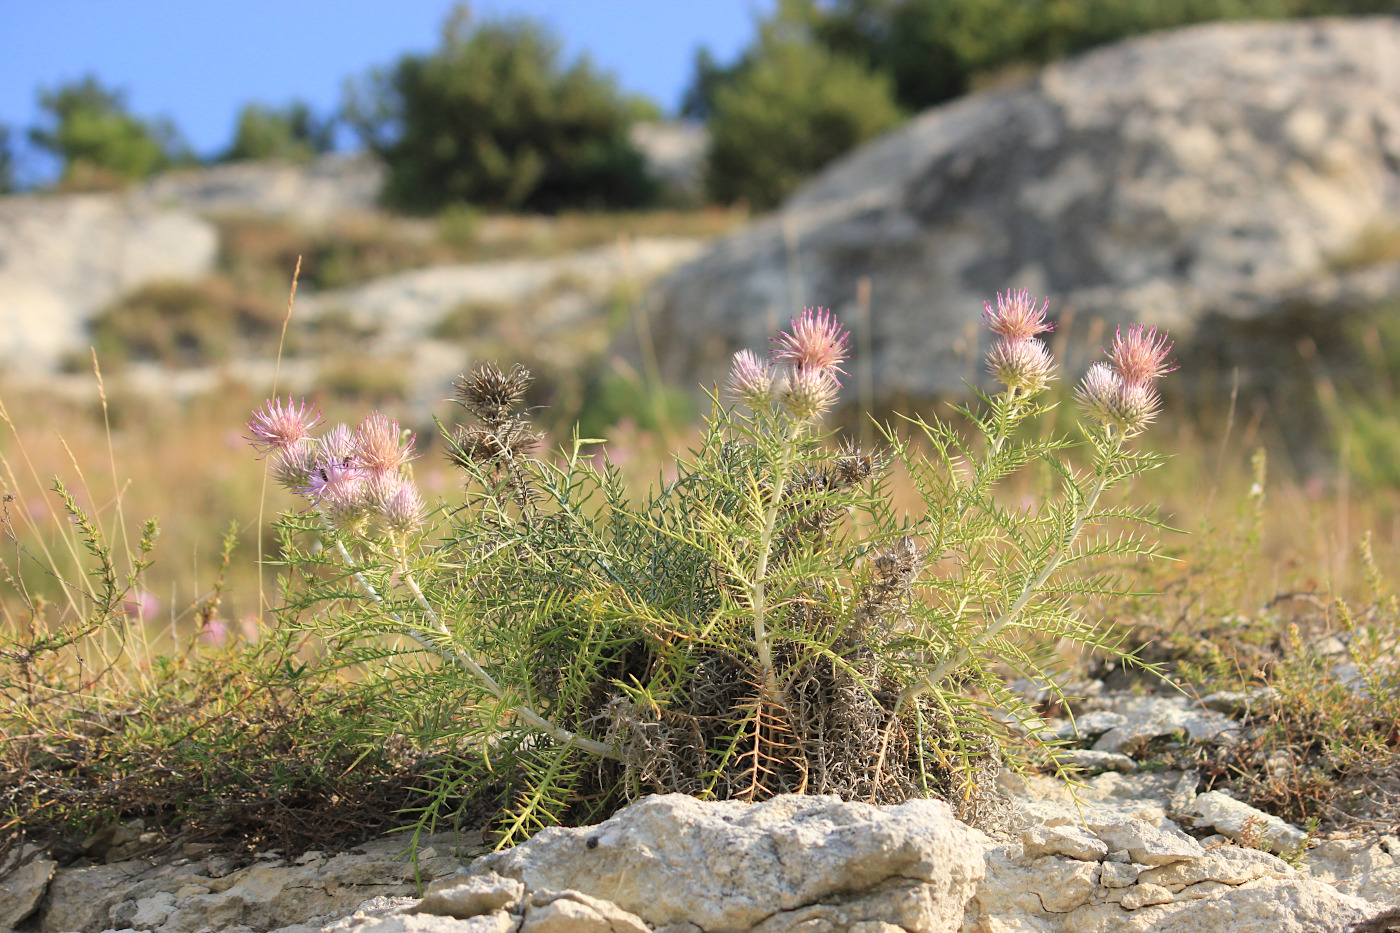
column 506, row 442
column 808, row 393
column 379, row 445
column 855, row 466
column 816, row 342
column 491, row 394
column 1021, row 363
column 277, row 427
column 292, row 465
column 1016, row 316
column 1140, row 355
column 751, row 380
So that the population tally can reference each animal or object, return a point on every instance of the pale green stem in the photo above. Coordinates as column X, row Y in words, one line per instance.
column 958, row 657
column 526, row 714
column 758, row 596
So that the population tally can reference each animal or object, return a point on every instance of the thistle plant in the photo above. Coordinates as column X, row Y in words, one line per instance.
column 768, row 621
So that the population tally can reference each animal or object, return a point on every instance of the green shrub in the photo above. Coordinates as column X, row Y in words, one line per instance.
column 98, row 140
column 293, row 133
column 791, row 110
column 7, row 161
column 765, row 621
column 492, row 118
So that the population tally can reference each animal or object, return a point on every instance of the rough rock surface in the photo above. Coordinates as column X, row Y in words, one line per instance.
column 64, row 257
column 312, row 192
column 771, row 866
column 1195, row 179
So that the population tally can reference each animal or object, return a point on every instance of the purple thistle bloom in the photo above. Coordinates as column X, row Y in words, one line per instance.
column 337, row 446
column 1021, row 363
column 340, row 491
column 378, row 445
column 1016, row 316
column 1107, row 398
column 1140, row 355
column 751, row 379
column 809, row 392
column 816, row 341
column 292, row 466
column 403, row 512
column 277, row 427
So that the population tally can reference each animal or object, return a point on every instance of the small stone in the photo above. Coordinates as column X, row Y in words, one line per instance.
column 1067, row 883
column 1115, row 875
column 427, row 853
column 1236, row 819
column 1145, row 895
column 1146, row 844
column 572, row 912
column 1162, row 718
column 23, row 889
column 1230, row 865
column 190, row 890
column 1069, row 841
column 1090, row 724
column 1092, row 762
column 464, row 896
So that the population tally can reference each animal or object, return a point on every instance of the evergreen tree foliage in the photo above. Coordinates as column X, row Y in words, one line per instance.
column 493, row 118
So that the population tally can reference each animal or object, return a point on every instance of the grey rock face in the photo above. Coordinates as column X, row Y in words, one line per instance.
column 312, row 192
column 64, row 257
column 1187, row 179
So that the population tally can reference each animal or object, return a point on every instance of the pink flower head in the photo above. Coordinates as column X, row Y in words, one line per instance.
column 1107, row 398
column 816, row 341
column 1023, row 364
column 809, row 392
column 379, row 446
column 403, row 511
column 751, row 379
column 337, row 447
column 1016, row 316
column 276, row 427
column 1140, row 355
column 340, row 492
column 292, row 465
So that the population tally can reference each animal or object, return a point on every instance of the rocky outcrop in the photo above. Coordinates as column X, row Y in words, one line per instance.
column 64, row 257
column 1211, row 178
column 314, row 192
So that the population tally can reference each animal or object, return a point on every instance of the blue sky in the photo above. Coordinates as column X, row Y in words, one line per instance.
column 198, row 61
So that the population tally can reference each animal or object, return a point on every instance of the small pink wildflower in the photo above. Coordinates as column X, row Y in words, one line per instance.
column 751, row 379
column 276, row 427
column 1140, row 355
column 215, row 632
column 1016, row 316
column 378, row 445
column 809, row 392
column 816, row 341
column 1023, row 364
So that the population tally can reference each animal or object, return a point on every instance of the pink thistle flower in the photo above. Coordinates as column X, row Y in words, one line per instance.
column 751, row 379
column 1106, row 397
column 816, row 341
column 337, row 447
column 1140, row 355
column 292, row 466
column 403, row 512
column 809, row 393
column 276, row 427
column 379, row 446
column 1016, row 316
column 215, row 632
column 339, row 490
column 1022, row 364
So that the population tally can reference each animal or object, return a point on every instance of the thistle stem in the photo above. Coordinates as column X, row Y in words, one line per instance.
column 556, row 732
column 758, row 595
column 958, row 657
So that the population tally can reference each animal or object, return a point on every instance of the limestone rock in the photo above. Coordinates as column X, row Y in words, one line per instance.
column 1232, row 817
column 572, row 912
column 1068, row 841
column 730, row 866
column 1200, row 179
column 1145, row 844
column 65, row 257
column 498, row 922
column 1157, row 718
column 467, row 896
column 1089, row 761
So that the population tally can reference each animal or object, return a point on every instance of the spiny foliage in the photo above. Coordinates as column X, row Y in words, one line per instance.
column 765, row 622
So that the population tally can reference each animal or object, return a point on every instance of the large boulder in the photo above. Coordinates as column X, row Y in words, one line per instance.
column 1216, row 177
column 65, row 257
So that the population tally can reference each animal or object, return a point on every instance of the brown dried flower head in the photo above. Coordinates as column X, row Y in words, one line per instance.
column 491, row 394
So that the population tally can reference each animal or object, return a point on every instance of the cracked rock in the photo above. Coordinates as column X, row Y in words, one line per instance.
column 1236, row 819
